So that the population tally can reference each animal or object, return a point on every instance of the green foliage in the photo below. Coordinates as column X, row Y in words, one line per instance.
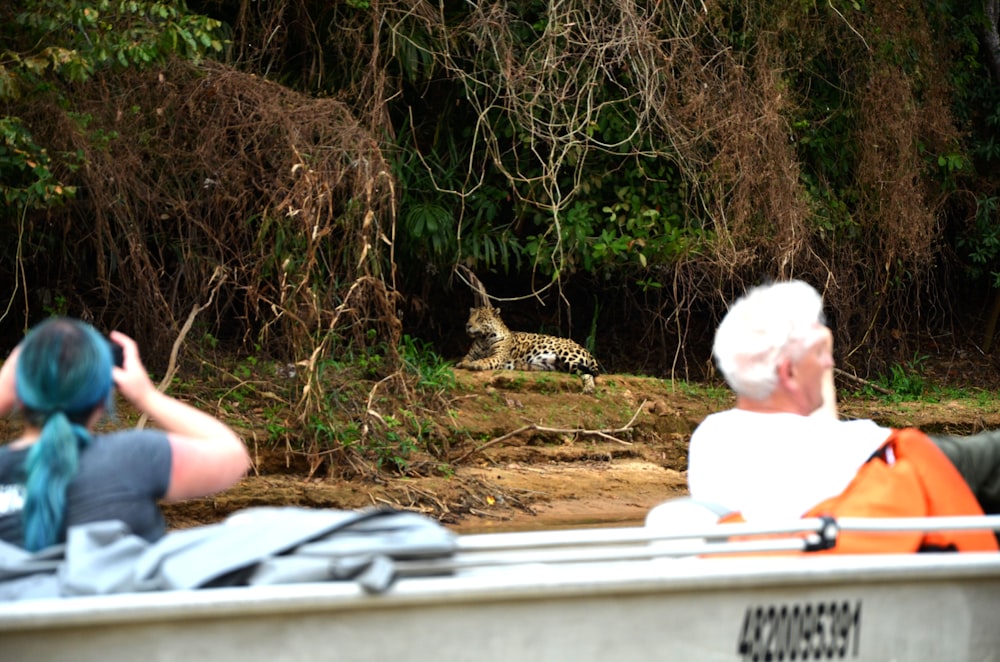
column 627, row 224
column 981, row 243
column 591, row 342
column 823, row 139
column 976, row 108
column 79, row 38
column 371, row 359
column 351, row 420
column 329, row 433
column 278, row 429
column 717, row 393
column 246, row 368
column 906, row 381
column 430, row 223
column 433, row 372
column 521, row 148
column 505, row 172
column 542, row 138
column 388, row 447
column 442, row 221
column 104, row 33
column 27, row 180
column 393, row 447
column 56, row 307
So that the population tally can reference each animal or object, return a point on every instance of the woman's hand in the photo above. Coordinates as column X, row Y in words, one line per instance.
column 8, row 385
column 131, row 379
column 206, row 454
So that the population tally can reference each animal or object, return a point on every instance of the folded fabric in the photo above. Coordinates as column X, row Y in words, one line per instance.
column 253, row 547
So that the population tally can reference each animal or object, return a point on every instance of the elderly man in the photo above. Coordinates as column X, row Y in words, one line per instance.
column 782, row 450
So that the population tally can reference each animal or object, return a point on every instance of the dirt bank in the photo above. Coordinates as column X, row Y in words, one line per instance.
column 531, row 451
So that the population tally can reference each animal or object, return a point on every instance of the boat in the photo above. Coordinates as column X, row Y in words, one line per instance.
column 692, row 592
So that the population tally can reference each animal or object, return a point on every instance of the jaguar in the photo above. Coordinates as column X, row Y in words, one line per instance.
column 496, row 347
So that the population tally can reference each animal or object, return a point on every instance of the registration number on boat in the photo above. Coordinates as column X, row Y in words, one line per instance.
column 811, row 631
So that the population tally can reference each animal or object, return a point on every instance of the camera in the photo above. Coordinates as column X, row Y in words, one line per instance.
column 117, row 354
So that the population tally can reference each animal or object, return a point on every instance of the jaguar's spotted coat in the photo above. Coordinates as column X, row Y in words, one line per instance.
column 495, row 347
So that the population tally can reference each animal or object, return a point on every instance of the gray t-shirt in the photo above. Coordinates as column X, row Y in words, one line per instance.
column 121, row 476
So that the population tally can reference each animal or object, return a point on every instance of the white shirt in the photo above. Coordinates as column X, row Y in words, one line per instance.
column 776, row 466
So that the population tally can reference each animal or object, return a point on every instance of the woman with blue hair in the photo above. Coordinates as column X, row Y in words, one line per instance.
column 59, row 473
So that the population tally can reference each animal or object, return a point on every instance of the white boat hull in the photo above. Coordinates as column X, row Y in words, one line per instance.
column 912, row 608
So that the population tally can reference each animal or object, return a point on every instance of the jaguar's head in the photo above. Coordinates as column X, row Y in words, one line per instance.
column 484, row 322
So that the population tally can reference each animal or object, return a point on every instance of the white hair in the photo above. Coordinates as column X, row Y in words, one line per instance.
column 767, row 325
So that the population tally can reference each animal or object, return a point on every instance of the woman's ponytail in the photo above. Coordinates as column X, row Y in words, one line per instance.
column 50, row 466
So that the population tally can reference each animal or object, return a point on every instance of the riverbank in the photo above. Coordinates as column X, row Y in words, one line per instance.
column 531, row 451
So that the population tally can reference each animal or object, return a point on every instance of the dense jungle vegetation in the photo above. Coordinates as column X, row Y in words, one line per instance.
column 303, row 183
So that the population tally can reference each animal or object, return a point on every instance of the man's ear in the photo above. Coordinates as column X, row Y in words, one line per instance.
column 786, row 373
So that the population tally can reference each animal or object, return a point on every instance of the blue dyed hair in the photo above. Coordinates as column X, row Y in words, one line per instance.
column 63, row 375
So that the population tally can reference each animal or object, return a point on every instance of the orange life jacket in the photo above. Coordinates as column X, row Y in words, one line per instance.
column 908, row 476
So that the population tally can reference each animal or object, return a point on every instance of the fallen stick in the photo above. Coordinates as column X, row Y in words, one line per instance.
column 606, row 434
column 862, row 382
column 219, row 277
